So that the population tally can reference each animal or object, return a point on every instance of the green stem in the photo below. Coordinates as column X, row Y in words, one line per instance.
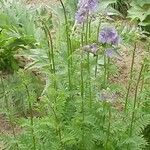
column 82, row 84
column 98, row 29
column 108, row 130
column 108, row 73
column 135, row 99
column 90, row 27
column 58, row 129
column 105, row 70
column 104, row 116
column 89, row 80
column 51, row 54
column 142, row 86
column 68, row 46
column 87, row 29
column 49, row 45
column 31, row 116
column 88, row 61
column 130, row 79
column 52, row 50
column 96, row 60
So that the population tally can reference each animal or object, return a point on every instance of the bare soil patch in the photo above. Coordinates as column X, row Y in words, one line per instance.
column 124, row 63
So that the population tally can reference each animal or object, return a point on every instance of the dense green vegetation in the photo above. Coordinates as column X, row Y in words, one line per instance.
column 62, row 82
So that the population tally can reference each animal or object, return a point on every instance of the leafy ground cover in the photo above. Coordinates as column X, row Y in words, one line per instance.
column 74, row 76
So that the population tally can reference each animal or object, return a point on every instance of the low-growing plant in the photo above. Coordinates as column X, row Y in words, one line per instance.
column 16, row 33
column 140, row 11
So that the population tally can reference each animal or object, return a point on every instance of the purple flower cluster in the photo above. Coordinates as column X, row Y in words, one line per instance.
column 92, row 48
column 85, row 8
column 111, row 52
column 109, row 35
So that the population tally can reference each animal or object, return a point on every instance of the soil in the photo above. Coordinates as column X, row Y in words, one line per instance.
column 124, row 63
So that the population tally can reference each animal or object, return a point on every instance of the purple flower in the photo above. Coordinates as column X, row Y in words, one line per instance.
column 92, row 4
column 107, row 95
column 112, row 52
column 85, row 8
column 93, row 48
column 81, row 15
column 109, row 35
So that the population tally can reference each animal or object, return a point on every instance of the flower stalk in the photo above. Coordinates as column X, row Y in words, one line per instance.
column 88, row 61
column 69, row 49
column 58, row 129
column 130, row 78
column 135, row 98
column 82, row 83
column 108, row 129
column 97, row 41
column 31, row 116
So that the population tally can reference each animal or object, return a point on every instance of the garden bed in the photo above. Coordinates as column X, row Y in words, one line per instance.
column 74, row 76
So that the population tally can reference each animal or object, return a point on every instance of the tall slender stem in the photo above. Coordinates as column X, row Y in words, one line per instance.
column 142, row 82
column 97, row 41
column 88, row 61
column 108, row 67
column 86, row 30
column 68, row 46
column 104, row 116
column 105, row 70
column 52, row 56
column 52, row 50
column 58, row 129
column 130, row 79
column 31, row 117
column 90, row 28
column 49, row 45
column 108, row 130
column 82, row 84
column 135, row 99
